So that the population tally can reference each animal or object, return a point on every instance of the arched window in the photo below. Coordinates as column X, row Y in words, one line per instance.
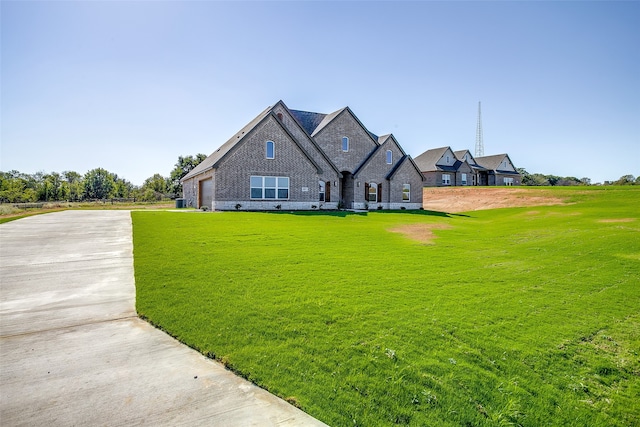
column 271, row 151
column 345, row 143
column 389, row 157
column 372, row 192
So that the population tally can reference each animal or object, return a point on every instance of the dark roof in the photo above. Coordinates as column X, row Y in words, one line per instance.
column 490, row 162
column 461, row 153
column 494, row 162
column 427, row 160
column 307, row 119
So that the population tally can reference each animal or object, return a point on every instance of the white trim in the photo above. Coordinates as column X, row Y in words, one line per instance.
column 273, row 148
column 408, row 187
column 345, row 143
column 264, row 188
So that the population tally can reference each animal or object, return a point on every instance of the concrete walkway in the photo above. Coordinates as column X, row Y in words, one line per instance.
column 73, row 352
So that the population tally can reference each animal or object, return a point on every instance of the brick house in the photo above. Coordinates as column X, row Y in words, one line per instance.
column 500, row 170
column 299, row 160
column 443, row 167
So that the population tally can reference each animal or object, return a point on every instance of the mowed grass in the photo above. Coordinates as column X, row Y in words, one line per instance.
column 521, row 316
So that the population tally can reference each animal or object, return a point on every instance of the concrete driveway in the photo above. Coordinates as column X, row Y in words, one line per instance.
column 73, row 352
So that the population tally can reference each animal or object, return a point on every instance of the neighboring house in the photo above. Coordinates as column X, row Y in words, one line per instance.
column 500, row 170
column 479, row 175
column 443, row 167
column 300, row 160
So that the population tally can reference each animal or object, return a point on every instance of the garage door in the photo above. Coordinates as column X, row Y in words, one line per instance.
column 206, row 193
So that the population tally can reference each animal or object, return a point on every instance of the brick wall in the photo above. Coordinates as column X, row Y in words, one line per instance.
column 360, row 143
column 249, row 159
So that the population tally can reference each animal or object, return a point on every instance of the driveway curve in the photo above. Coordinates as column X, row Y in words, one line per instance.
column 73, row 351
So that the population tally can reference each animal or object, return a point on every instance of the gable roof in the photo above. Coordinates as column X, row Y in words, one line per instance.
column 427, row 160
column 461, row 153
column 405, row 158
column 328, row 118
column 309, row 118
column 214, row 157
column 494, row 162
column 382, row 139
column 211, row 161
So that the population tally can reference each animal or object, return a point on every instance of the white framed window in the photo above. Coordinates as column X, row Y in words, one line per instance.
column 321, row 190
column 345, row 143
column 389, row 157
column 372, row 192
column 406, row 192
column 269, row 187
column 464, row 179
column 270, row 150
column 446, row 179
column 508, row 181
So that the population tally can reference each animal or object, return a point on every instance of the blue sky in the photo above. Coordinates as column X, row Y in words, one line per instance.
column 130, row 86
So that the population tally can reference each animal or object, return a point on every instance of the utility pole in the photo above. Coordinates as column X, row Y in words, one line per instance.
column 479, row 142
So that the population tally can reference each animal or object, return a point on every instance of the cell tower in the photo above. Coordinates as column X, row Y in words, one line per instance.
column 479, row 142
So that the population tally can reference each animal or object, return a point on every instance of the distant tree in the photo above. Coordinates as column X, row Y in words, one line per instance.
column 50, row 187
column 538, row 179
column 74, row 185
column 526, row 176
column 15, row 188
column 122, row 188
column 155, row 188
column 569, row 180
column 98, row 184
column 625, row 180
column 183, row 167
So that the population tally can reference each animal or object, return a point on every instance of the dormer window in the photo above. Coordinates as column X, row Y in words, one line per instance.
column 270, row 150
column 389, row 157
column 345, row 143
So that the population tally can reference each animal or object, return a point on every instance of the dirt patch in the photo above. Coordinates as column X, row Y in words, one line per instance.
column 618, row 220
column 463, row 199
column 422, row 233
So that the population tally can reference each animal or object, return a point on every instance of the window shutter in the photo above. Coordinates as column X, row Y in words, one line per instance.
column 327, row 191
column 366, row 191
column 380, row 193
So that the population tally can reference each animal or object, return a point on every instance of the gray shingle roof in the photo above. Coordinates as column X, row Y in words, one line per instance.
column 307, row 119
column 494, row 162
column 427, row 160
column 491, row 162
column 211, row 161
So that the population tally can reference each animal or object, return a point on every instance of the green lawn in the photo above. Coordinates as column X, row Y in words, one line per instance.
column 523, row 316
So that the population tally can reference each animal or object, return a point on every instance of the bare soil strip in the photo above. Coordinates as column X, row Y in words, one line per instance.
column 422, row 233
column 464, row 199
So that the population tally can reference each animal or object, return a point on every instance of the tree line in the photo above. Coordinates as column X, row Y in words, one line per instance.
column 538, row 179
column 18, row 187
